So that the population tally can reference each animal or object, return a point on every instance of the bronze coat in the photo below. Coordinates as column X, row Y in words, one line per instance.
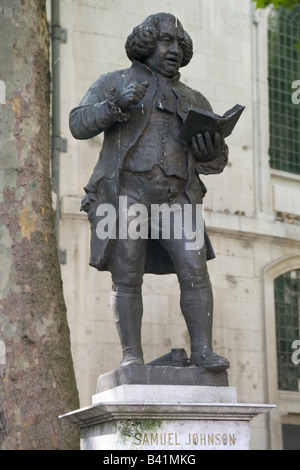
column 97, row 113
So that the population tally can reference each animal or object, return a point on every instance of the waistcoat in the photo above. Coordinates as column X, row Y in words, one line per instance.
column 159, row 143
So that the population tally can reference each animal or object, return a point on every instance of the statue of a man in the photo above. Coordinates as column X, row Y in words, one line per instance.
column 141, row 111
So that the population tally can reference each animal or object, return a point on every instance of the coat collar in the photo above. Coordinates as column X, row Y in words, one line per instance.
column 183, row 93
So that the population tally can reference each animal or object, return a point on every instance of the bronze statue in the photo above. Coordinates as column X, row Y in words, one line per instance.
column 141, row 111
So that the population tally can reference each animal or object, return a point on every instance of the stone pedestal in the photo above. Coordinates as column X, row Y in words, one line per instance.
column 146, row 416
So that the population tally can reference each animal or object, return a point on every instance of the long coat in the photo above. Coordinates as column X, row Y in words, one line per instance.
column 97, row 113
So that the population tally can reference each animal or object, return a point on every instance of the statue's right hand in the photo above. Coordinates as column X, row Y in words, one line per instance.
column 131, row 95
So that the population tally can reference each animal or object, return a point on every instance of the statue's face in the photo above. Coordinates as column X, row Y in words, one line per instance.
column 167, row 57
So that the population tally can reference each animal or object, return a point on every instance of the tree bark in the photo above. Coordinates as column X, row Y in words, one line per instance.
column 37, row 382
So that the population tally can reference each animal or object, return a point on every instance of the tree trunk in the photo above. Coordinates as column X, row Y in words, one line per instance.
column 36, row 368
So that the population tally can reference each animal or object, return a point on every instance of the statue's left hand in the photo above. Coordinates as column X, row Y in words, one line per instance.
column 205, row 148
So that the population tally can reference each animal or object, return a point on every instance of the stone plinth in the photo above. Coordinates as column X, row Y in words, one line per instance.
column 161, row 375
column 164, row 417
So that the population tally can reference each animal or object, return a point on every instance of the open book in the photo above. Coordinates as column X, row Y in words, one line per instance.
column 199, row 121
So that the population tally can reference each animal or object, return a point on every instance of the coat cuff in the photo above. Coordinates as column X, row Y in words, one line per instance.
column 113, row 112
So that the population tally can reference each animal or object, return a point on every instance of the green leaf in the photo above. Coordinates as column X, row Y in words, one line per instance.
column 276, row 3
column 297, row 45
column 262, row 3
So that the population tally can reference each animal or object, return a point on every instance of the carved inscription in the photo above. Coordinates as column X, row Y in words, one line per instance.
column 192, row 439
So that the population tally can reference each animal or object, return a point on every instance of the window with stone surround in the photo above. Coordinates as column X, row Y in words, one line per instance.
column 284, row 71
column 287, row 313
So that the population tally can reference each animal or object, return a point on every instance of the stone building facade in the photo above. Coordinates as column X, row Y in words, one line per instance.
column 251, row 211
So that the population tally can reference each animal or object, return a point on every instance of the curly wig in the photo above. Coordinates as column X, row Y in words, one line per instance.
column 143, row 39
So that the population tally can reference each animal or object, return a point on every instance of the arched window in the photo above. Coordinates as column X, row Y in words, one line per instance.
column 287, row 313
column 284, row 71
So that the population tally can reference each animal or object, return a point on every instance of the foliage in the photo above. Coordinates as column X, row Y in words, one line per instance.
column 297, row 45
column 276, row 3
column 289, row 4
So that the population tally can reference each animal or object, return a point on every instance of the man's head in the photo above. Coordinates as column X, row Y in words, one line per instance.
column 161, row 43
